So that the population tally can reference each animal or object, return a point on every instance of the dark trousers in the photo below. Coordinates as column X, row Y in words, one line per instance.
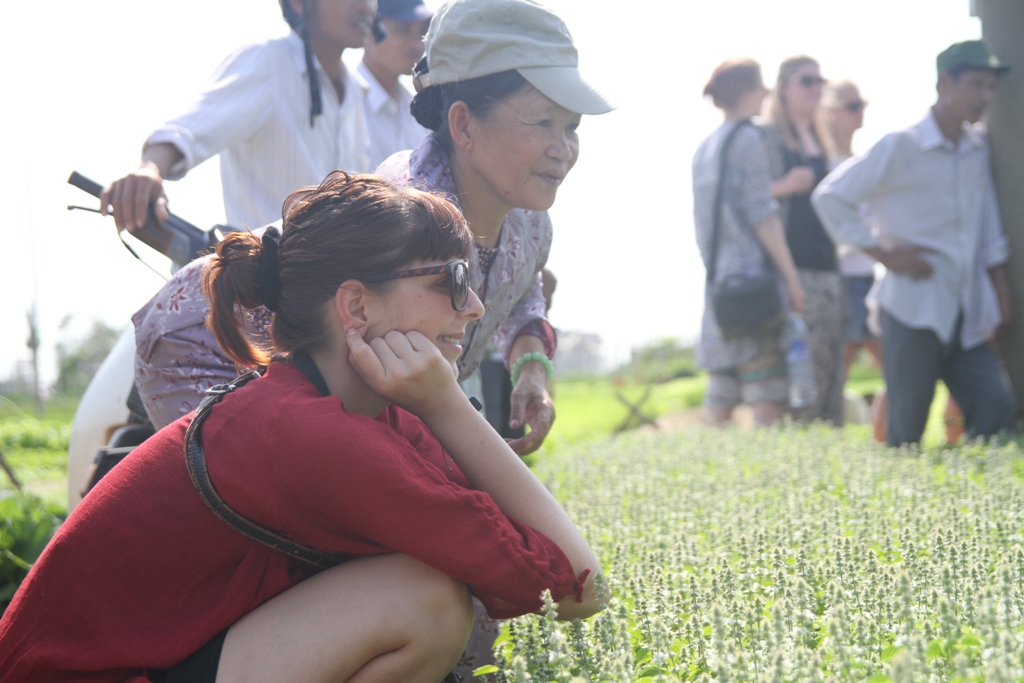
column 497, row 390
column 915, row 359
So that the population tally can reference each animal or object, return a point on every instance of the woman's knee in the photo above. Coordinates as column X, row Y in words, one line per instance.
column 389, row 608
column 443, row 606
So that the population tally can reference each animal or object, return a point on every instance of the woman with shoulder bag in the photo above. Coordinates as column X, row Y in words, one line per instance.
column 752, row 283
column 311, row 524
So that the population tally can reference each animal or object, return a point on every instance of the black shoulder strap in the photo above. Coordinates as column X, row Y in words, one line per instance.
column 719, row 194
column 304, row 362
column 195, row 458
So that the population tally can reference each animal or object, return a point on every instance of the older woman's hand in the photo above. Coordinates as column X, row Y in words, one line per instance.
column 531, row 405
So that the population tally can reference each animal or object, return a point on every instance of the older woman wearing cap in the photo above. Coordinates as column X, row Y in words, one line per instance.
column 503, row 106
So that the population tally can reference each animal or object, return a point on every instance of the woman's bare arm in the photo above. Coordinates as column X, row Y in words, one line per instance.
column 409, row 370
column 772, row 237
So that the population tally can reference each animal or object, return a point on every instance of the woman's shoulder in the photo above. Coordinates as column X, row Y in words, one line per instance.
column 396, row 168
column 180, row 303
column 255, row 59
column 425, row 167
column 750, row 135
column 313, row 421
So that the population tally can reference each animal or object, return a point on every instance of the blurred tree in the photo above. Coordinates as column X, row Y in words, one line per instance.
column 663, row 360
column 33, row 343
column 79, row 359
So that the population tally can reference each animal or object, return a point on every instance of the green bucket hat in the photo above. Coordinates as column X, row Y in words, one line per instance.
column 970, row 54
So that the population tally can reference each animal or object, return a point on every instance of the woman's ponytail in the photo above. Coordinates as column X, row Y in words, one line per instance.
column 233, row 277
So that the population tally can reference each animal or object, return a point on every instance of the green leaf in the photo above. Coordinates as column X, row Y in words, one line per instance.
column 891, row 651
column 937, row 648
column 486, row 669
column 877, row 678
column 18, row 562
column 969, row 639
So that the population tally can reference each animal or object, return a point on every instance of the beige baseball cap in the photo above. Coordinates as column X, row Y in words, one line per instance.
column 472, row 38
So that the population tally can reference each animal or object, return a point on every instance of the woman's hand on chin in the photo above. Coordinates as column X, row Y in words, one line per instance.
column 405, row 368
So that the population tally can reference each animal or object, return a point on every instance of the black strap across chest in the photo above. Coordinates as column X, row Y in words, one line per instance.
column 195, row 459
column 716, row 230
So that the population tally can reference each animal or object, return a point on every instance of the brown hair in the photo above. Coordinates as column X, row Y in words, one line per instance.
column 349, row 227
column 731, row 80
column 777, row 107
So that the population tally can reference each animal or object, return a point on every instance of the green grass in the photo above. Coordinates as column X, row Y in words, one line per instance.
column 60, row 409
column 787, row 555
column 589, row 409
column 865, row 378
column 36, row 449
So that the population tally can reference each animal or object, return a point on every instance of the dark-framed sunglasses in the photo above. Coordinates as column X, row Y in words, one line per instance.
column 809, row 81
column 458, row 279
column 855, row 107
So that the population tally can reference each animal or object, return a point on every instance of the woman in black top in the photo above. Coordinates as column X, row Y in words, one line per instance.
column 797, row 144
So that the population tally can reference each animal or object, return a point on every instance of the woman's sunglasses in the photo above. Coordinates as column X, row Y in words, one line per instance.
column 809, row 81
column 458, row 279
column 855, row 107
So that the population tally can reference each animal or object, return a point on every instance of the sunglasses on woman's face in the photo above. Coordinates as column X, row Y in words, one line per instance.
column 458, row 279
column 855, row 107
column 809, row 81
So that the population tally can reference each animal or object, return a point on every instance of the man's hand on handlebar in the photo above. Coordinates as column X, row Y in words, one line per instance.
column 129, row 197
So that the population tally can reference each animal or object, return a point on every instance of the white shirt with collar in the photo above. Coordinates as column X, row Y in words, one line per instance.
column 390, row 122
column 255, row 114
column 921, row 189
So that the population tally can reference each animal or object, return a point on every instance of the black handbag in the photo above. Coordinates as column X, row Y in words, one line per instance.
column 744, row 305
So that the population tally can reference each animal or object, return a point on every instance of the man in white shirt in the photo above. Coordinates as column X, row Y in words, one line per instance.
column 945, row 296
column 391, row 125
column 275, row 128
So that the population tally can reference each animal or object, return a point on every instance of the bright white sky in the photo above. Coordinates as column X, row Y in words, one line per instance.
column 87, row 81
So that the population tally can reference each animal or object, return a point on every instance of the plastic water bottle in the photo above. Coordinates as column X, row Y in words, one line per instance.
column 802, row 389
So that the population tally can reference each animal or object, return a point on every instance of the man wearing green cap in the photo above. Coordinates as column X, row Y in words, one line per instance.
column 932, row 205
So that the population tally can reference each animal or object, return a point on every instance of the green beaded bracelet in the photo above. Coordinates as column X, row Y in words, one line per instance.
column 526, row 358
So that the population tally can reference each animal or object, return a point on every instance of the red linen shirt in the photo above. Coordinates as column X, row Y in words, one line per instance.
column 142, row 574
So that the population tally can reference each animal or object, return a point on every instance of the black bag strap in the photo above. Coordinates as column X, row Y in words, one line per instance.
column 195, row 458
column 719, row 196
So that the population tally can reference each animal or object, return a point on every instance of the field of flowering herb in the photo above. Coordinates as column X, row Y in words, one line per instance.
column 787, row 556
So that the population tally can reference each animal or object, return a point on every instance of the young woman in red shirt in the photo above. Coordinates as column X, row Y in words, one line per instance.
column 356, row 447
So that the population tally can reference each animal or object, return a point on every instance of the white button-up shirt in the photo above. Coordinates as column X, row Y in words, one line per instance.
column 920, row 189
column 255, row 114
column 390, row 122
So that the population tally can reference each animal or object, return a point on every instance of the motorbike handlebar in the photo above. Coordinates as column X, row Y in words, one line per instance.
column 175, row 237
